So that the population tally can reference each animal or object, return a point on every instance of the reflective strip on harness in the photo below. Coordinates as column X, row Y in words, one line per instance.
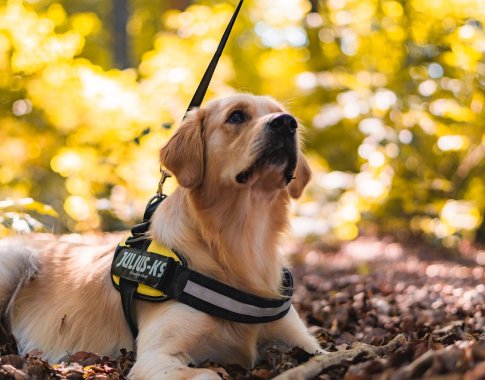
column 221, row 300
column 231, row 304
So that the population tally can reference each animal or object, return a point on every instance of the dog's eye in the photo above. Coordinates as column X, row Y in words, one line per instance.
column 236, row 117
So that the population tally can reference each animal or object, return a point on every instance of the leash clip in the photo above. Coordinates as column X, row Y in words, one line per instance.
column 165, row 174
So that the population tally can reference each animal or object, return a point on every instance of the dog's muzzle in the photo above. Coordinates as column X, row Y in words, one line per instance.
column 279, row 148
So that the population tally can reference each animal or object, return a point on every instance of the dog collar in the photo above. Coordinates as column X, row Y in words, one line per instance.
column 146, row 270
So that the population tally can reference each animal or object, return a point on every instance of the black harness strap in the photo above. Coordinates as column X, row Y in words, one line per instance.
column 127, row 291
column 138, row 239
column 221, row 300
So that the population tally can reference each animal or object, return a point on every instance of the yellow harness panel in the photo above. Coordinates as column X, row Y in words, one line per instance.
column 161, row 250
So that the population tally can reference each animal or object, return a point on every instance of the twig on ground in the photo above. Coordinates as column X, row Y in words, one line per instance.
column 416, row 368
column 317, row 364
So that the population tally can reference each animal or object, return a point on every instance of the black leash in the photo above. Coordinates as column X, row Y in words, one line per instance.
column 204, row 83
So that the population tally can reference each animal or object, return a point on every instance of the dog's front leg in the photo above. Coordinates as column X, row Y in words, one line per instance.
column 172, row 336
column 287, row 333
column 159, row 365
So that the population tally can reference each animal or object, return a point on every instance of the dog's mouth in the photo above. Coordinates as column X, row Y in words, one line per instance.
column 274, row 156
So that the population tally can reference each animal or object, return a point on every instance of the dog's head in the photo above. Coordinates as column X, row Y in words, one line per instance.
column 242, row 141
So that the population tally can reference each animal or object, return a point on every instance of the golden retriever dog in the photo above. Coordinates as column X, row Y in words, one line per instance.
column 237, row 161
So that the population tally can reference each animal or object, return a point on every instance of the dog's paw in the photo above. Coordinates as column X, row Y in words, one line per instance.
column 192, row 374
column 174, row 373
column 204, row 374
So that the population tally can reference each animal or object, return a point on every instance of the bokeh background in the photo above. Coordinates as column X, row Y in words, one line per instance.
column 391, row 94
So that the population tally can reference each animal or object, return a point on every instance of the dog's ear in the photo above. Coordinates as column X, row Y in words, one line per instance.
column 302, row 176
column 183, row 154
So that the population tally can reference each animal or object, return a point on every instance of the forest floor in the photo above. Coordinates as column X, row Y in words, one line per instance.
column 383, row 310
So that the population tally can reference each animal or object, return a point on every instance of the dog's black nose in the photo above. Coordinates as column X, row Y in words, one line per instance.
column 284, row 124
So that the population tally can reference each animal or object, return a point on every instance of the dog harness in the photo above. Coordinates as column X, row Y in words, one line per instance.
column 148, row 271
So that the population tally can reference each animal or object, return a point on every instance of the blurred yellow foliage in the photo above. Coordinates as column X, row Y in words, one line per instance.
column 391, row 93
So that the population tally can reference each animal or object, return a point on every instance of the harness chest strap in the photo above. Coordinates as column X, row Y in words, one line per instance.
column 215, row 298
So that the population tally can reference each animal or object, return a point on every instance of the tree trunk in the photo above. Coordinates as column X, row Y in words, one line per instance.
column 120, row 34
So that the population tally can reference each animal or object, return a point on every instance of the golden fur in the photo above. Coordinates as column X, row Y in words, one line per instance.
column 225, row 229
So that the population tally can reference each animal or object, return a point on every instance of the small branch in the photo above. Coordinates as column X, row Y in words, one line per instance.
column 317, row 364
column 416, row 368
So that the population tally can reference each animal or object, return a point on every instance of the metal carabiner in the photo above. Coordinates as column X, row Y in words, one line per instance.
column 165, row 174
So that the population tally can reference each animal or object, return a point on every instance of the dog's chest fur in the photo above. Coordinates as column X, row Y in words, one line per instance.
column 233, row 241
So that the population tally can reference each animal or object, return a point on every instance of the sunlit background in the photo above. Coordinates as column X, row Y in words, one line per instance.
column 391, row 94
